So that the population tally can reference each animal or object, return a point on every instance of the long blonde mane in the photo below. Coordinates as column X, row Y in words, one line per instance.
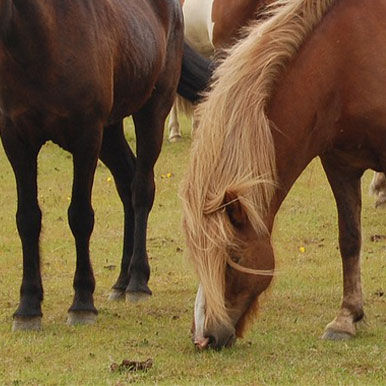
column 233, row 150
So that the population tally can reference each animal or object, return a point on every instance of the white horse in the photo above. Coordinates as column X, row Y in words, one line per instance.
column 198, row 32
column 378, row 189
column 211, row 25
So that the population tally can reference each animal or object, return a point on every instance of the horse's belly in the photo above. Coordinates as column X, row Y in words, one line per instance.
column 199, row 25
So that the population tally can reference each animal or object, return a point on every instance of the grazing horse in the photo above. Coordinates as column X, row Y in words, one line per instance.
column 304, row 83
column 70, row 71
column 212, row 25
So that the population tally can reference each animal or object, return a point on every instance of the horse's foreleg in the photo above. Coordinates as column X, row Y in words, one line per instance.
column 118, row 157
column 345, row 185
column 174, row 126
column 81, row 220
column 23, row 160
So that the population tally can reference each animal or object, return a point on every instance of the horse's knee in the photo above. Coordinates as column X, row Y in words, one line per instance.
column 29, row 222
column 143, row 191
column 81, row 220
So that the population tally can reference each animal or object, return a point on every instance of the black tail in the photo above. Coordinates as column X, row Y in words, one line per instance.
column 195, row 75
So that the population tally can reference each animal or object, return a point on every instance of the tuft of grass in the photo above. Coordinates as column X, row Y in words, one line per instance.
column 282, row 347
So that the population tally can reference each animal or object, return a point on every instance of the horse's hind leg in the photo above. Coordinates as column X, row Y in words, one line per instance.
column 345, row 184
column 81, row 220
column 378, row 188
column 118, row 157
column 174, row 126
column 22, row 157
column 149, row 124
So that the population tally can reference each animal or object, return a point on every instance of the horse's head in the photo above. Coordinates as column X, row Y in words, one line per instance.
column 234, row 263
column 227, row 194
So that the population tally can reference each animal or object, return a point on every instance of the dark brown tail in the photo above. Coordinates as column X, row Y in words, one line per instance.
column 195, row 75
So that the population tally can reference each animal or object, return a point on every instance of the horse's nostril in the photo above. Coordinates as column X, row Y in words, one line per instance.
column 202, row 343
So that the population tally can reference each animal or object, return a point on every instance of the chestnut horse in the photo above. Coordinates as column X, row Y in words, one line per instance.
column 297, row 87
column 70, row 71
column 212, row 25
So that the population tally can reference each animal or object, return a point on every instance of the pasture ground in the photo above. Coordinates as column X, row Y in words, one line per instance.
column 282, row 347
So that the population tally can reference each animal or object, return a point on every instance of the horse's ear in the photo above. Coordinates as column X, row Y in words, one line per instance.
column 235, row 209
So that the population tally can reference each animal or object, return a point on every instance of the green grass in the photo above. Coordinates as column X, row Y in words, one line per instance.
column 282, row 347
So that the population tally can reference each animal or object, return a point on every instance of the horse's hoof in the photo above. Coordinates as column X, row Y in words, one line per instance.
column 137, row 291
column 331, row 334
column 116, row 295
column 81, row 317
column 137, row 297
column 27, row 324
column 175, row 138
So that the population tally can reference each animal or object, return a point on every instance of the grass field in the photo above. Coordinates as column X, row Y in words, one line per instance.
column 282, row 347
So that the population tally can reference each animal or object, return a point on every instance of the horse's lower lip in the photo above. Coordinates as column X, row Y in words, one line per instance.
column 231, row 341
column 201, row 343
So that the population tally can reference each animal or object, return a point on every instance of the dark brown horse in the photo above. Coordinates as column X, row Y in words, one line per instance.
column 70, row 71
column 309, row 81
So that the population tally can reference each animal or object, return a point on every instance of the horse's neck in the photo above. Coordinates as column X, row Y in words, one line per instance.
column 303, row 114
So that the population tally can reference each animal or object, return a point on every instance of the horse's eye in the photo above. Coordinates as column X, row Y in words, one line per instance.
column 235, row 259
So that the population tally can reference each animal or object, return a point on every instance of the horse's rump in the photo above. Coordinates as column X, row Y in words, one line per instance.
column 97, row 50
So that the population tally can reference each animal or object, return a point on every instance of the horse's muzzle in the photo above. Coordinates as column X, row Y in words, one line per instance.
column 216, row 339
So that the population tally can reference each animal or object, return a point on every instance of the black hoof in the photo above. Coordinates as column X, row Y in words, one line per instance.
column 137, row 297
column 81, row 317
column 175, row 138
column 330, row 334
column 33, row 323
column 136, row 292
column 116, row 295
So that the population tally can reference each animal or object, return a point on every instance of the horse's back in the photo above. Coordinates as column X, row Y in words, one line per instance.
column 230, row 16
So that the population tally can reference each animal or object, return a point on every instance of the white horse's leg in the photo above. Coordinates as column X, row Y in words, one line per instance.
column 195, row 123
column 174, row 126
column 378, row 189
